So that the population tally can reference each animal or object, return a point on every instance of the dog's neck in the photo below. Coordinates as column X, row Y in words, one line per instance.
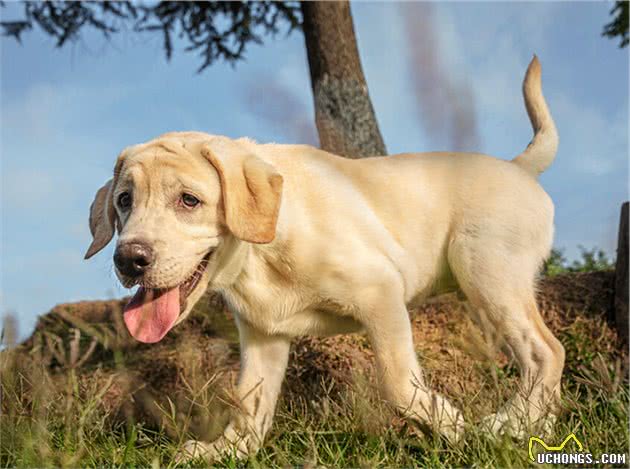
column 227, row 262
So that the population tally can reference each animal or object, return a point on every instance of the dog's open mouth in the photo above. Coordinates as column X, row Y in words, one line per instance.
column 152, row 312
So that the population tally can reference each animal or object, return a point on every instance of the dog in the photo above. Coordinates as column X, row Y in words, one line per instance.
column 300, row 241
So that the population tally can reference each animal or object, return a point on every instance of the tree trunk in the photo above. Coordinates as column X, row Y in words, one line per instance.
column 621, row 276
column 343, row 111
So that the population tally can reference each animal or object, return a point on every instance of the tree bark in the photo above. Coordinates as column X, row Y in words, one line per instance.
column 344, row 115
column 621, row 276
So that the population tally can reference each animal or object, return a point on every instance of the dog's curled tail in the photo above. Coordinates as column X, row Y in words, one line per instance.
column 541, row 151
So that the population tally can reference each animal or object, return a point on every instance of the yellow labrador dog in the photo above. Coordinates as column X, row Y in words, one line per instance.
column 300, row 241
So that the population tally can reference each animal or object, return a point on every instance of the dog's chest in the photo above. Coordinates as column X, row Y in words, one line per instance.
column 267, row 294
column 288, row 313
column 273, row 297
column 276, row 303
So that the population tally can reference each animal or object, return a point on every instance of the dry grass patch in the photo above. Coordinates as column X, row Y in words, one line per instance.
column 81, row 392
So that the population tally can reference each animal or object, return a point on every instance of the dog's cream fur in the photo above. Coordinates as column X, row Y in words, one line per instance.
column 306, row 242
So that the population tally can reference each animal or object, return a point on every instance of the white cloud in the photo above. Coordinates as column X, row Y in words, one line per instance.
column 48, row 109
column 592, row 142
column 28, row 188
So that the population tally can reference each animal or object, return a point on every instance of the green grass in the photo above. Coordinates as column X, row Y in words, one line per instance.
column 590, row 260
column 68, row 427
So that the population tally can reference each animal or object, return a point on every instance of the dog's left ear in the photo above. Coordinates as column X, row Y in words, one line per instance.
column 251, row 188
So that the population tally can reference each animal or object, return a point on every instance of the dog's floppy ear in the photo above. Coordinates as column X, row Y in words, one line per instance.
column 251, row 188
column 103, row 213
column 102, row 219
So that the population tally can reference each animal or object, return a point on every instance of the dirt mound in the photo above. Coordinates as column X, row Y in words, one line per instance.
column 185, row 380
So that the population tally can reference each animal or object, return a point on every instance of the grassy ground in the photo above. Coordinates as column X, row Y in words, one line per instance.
column 57, row 404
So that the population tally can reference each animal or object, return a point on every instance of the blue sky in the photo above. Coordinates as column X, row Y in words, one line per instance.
column 65, row 115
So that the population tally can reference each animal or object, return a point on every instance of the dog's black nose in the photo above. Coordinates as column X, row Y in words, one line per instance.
column 132, row 259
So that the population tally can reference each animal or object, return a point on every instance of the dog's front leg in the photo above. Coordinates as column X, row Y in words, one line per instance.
column 263, row 364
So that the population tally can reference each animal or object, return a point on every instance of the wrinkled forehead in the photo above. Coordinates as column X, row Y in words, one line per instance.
column 170, row 165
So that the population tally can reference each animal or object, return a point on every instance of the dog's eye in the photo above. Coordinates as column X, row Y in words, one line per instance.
column 190, row 200
column 124, row 200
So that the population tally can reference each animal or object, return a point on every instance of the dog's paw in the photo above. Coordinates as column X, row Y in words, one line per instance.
column 509, row 424
column 453, row 428
column 194, row 449
column 447, row 420
column 502, row 424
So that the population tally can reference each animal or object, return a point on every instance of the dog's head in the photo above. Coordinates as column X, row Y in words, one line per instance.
column 174, row 201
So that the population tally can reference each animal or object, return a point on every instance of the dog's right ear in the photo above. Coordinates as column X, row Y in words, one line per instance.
column 102, row 219
column 103, row 213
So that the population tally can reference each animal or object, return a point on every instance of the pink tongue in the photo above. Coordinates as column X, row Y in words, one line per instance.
column 150, row 315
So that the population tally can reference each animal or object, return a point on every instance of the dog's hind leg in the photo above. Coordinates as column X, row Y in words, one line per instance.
column 501, row 283
column 400, row 376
